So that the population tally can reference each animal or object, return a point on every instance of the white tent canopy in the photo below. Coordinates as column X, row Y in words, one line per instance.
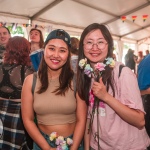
column 74, row 15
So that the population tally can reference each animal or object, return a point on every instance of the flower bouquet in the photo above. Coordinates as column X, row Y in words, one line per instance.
column 98, row 68
column 60, row 142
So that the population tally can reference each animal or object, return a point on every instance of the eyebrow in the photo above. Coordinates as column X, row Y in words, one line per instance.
column 4, row 32
column 56, row 46
column 97, row 39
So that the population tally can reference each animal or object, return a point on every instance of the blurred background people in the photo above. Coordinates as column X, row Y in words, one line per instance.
column 4, row 37
column 129, row 59
column 74, row 53
column 138, row 60
column 15, row 67
column 140, row 57
column 74, row 46
column 37, row 43
column 146, row 52
column 144, row 85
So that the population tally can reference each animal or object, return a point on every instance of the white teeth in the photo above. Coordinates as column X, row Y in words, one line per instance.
column 55, row 61
column 94, row 54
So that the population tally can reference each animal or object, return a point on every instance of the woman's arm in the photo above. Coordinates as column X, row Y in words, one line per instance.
column 28, row 114
column 147, row 91
column 81, row 113
column 131, row 116
column 87, row 136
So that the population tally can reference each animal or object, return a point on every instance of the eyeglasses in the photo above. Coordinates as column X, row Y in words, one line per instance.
column 100, row 44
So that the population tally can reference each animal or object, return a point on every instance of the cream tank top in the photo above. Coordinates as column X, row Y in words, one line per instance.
column 54, row 109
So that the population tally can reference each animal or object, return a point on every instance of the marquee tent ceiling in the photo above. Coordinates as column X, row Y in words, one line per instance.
column 75, row 15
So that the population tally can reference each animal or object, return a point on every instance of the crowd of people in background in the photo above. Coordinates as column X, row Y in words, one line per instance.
column 4, row 37
column 132, row 61
column 48, row 87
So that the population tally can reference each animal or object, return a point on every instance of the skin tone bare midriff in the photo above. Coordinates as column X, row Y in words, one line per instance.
column 63, row 130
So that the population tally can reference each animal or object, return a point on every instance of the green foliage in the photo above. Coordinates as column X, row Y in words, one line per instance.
column 115, row 47
column 17, row 31
column 126, row 46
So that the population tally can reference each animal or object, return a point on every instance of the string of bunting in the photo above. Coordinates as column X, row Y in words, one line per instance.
column 144, row 17
column 14, row 26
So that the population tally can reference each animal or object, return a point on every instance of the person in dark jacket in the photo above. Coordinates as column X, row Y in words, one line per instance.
column 130, row 59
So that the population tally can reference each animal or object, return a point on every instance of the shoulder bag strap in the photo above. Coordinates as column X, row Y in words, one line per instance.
column 120, row 69
column 22, row 74
column 34, row 81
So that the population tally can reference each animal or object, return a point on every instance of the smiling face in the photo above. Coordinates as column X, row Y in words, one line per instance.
column 56, row 54
column 35, row 36
column 4, row 36
column 95, row 46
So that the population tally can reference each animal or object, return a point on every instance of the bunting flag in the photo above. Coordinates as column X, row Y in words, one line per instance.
column 36, row 26
column 2, row 23
column 133, row 18
column 24, row 25
column 123, row 18
column 145, row 17
column 14, row 26
column 49, row 29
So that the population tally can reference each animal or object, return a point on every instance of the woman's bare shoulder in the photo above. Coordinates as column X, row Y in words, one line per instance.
column 29, row 79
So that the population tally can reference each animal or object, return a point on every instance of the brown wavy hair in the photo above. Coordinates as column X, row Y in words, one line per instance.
column 74, row 45
column 41, row 43
column 17, row 51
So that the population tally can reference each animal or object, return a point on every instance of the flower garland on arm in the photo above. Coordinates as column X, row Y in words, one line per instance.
column 95, row 74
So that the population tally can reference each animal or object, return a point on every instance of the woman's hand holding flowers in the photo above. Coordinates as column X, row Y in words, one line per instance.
column 99, row 89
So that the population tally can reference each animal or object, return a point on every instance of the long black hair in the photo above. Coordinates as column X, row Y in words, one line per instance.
column 65, row 77
column 83, row 81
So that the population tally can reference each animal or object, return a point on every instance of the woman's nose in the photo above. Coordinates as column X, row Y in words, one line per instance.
column 95, row 47
column 56, row 54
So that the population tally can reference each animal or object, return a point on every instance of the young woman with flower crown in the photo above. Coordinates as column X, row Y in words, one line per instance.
column 61, row 117
column 115, row 119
